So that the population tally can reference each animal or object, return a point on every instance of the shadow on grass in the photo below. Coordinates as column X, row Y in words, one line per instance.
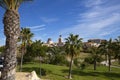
column 37, row 70
column 43, row 71
column 109, row 75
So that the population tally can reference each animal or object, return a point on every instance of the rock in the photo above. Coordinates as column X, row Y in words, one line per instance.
column 33, row 76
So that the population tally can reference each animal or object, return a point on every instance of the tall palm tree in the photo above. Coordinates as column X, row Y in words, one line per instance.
column 12, row 31
column 73, row 46
column 25, row 38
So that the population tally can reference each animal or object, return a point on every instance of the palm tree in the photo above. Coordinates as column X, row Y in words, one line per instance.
column 110, row 52
column 103, row 49
column 25, row 38
column 95, row 53
column 72, row 48
column 108, row 49
column 117, row 55
column 12, row 31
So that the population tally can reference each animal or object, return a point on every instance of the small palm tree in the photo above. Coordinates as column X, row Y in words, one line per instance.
column 11, row 23
column 117, row 55
column 95, row 53
column 108, row 50
column 73, row 46
column 25, row 38
column 103, row 47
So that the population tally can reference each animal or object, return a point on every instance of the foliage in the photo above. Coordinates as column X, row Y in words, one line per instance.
column 89, row 60
column 25, row 36
column 73, row 45
column 11, row 4
column 56, row 55
column 2, row 48
column 36, row 49
column 117, row 49
column 108, row 48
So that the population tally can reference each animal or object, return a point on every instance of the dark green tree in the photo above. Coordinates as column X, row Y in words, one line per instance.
column 57, row 55
column 108, row 50
column 117, row 53
column 95, row 54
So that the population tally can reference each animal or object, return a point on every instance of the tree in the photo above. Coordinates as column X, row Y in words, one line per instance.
column 95, row 53
column 57, row 55
column 36, row 49
column 103, row 49
column 108, row 49
column 12, row 31
column 117, row 54
column 25, row 38
column 73, row 46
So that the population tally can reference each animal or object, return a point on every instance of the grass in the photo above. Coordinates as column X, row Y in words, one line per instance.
column 55, row 72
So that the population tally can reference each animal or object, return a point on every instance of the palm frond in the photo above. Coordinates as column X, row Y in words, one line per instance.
column 12, row 4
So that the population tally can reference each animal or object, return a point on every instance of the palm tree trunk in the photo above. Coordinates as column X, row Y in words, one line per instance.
column 70, row 68
column 11, row 31
column 109, row 63
column 22, row 55
column 119, row 60
column 94, row 64
column 21, row 60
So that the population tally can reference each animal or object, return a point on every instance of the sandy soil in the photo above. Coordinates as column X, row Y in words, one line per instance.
column 22, row 76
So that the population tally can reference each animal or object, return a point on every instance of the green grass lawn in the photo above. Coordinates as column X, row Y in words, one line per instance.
column 55, row 72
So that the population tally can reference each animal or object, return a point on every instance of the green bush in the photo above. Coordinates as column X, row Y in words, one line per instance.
column 82, row 66
column 45, row 72
column 89, row 60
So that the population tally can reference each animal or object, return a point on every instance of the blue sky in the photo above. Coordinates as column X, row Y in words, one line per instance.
column 50, row 18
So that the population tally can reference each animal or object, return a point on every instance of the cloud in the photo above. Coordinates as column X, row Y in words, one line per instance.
column 48, row 20
column 93, row 3
column 37, row 28
column 105, row 33
column 96, row 22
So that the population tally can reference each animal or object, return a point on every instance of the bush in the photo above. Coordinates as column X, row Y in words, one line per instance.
column 78, row 62
column 44, row 72
column 82, row 66
column 89, row 60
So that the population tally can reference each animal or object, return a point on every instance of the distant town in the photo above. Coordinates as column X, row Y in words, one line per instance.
column 90, row 42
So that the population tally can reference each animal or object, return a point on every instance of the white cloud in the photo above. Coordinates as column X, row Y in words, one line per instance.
column 93, row 3
column 105, row 33
column 37, row 28
column 49, row 20
column 96, row 22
